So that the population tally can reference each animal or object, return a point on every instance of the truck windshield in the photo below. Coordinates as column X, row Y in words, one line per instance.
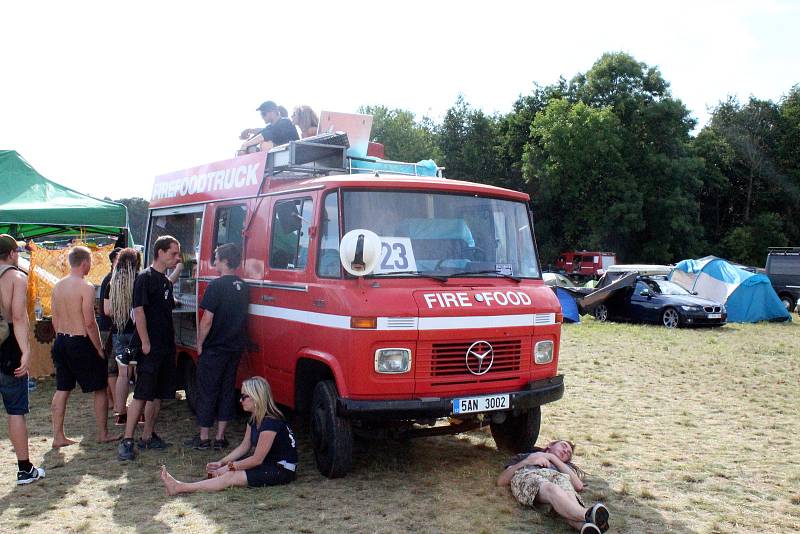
column 444, row 234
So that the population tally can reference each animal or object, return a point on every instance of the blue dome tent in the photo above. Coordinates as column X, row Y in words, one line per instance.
column 748, row 297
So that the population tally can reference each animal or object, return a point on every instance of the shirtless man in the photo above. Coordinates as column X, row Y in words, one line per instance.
column 15, row 356
column 77, row 351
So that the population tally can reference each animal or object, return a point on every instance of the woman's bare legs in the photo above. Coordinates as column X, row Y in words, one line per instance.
column 121, row 393
column 226, row 480
column 563, row 503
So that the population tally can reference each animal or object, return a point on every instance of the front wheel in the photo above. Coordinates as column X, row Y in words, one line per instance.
column 788, row 302
column 601, row 312
column 331, row 435
column 518, row 432
column 670, row 318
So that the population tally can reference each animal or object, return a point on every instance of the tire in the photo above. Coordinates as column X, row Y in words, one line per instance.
column 670, row 318
column 788, row 302
column 518, row 433
column 190, row 383
column 331, row 435
column 601, row 312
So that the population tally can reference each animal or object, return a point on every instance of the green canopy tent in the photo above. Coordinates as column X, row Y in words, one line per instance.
column 31, row 206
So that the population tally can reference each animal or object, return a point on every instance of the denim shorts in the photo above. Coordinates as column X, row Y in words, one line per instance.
column 15, row 394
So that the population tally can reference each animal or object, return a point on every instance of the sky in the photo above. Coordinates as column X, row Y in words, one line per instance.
column 103, row 96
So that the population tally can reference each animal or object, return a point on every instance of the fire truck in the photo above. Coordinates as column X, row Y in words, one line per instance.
column 385, row 300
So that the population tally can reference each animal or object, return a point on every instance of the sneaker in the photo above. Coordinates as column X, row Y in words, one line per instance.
column 198, row 444
column 598, row 515
column 220, row 444
column 590, row 528
column 125, row 451
column 155, row 442
column 26, row 477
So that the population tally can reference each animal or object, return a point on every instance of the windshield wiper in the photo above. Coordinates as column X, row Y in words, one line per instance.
column 504, row 275
column 438, row 277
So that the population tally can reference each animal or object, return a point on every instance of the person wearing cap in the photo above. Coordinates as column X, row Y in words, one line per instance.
column 279, row 130
column 15, row 356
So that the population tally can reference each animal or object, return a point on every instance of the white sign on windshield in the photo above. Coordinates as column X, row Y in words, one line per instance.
column 396, row 255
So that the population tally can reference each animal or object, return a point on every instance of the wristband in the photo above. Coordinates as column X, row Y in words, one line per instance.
column 231, row 466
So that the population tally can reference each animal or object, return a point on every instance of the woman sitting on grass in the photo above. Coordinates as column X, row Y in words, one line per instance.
column 548, row 476
column 272, row 463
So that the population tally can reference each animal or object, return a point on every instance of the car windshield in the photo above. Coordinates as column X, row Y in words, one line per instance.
column 444, row 234
column 670, row 288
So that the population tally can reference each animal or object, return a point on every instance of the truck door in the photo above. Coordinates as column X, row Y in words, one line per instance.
column 285, row 296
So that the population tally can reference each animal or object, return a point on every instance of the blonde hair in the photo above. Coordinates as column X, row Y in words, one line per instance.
column 260, row 392
column 121, row 291
column 78, row 255
column 305, row 118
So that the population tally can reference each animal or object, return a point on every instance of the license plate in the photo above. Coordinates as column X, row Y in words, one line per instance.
column 481, row 404
column 715, row 316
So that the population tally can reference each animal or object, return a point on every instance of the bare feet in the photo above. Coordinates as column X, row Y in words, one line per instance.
column 109, row 439
column 170, row 484
column 63, row 442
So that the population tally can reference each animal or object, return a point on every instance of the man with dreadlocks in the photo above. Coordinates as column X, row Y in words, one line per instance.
column 117, row 304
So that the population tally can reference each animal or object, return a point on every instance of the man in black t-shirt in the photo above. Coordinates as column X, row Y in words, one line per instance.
column 152, row 309
column 221, row 338
column 279, row 130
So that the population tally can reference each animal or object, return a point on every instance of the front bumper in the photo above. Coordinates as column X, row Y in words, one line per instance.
column 693, row 318
column 535, row 394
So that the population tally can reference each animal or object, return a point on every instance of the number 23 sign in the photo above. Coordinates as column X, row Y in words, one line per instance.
column 396, row 255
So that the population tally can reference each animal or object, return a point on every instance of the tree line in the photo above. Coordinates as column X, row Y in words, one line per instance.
column 611, row 163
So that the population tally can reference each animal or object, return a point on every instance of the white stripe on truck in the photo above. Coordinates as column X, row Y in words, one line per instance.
column 406, row 323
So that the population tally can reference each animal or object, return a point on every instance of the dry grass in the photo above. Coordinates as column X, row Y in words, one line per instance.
column 681, row 431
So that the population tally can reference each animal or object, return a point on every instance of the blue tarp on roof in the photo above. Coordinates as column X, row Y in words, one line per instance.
column 748, row 297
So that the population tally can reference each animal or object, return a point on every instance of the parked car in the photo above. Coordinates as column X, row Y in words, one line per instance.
column 651, row 300
column 783, row 270
column 585, row 264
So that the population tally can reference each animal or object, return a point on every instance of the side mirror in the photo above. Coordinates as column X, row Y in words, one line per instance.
column 645, row 293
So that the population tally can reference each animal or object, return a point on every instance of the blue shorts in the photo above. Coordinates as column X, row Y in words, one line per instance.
column 15, row 394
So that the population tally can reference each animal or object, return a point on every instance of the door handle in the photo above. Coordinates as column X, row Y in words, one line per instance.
column 267, row 298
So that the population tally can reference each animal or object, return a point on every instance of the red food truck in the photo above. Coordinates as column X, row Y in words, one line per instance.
column 382, row 303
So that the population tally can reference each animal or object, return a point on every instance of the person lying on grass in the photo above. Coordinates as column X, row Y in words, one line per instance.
column 274, row 460
column 549, row 476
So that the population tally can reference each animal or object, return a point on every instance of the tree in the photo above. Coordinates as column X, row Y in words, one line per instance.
column 470, row 144
column 404, row 138
column 137, row 217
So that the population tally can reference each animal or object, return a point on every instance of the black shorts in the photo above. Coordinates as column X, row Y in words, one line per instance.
column 216, row 386
column 269, row 475
column 76, row 360
column 155, row 376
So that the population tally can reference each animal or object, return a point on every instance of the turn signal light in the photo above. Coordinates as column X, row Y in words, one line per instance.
column 364, row 322
column 559, row 317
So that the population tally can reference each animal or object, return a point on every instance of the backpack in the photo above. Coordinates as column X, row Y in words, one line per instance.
column 4, row 329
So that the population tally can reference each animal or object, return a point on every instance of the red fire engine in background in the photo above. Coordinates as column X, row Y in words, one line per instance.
column 383, row 302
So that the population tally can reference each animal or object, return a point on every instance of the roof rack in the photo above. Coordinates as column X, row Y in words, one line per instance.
column 316, row 155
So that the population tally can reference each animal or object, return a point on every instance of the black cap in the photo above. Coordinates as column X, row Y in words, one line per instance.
column 269, row 105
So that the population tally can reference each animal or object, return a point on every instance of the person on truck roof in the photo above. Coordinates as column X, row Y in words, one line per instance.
column 548, row 476
column 304, row 118
column 279, row 130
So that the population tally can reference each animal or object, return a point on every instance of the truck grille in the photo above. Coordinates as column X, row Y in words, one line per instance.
column 448, row 359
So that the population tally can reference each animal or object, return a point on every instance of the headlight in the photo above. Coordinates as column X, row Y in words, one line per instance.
column 690, row 308
column 392, row 361
column 543, row 352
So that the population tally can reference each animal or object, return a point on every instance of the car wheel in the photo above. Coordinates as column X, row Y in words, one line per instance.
column 518, row 432
column 331, row 435
column 601, row 312
column 670, row 318
column 788, row 302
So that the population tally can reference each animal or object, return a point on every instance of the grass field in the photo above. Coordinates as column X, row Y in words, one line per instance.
column 680, row 431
